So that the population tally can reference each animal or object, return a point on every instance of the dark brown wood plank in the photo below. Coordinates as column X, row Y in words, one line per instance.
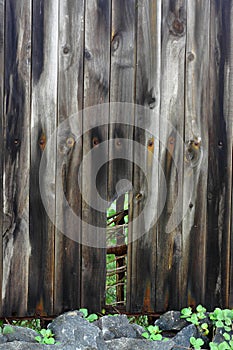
column 2, row 34
column 142, row 249
column 169, row 238
column 43, row 124
column 224, row 13
column 219, row 162
column 16, row 243
column 96, row 91
column 67, row 247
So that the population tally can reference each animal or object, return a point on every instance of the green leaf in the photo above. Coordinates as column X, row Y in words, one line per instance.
column 92, row 317
column 213, row 346
column 8, row 330
column 186, row 312
column 84, row 312
column 224, row 346
column 156, row 337
column 228, row 321
column 201, row 309
column 196, row 342
column 49, row 341
column 219, row 324
column 38, row 339
column 145, row 335
column 193, row 319
column 227, row 336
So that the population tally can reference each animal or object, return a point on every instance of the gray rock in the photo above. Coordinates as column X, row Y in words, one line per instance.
column 117, row 327
column 138, row 344
column 70, row 328
column 171, row 321
column 22, row 334
column 3, row 339
column 183, row 337
column 16, row 345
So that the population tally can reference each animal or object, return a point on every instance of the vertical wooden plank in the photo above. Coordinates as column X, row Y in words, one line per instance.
column 16, row 243
column 227, row 75
column 43, row 123
column 96, row 91
column 219, row 160
column 2, row 34
column 197, row 111
column 169, row 239
column 67, row 251
column 142, row 251
column 121, row 90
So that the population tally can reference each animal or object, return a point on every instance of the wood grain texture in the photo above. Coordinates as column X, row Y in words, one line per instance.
column 43, row 124
column 175, row 59
column 219, row 161
column 67, row 250
column 197, row 111
column 169, row 239
column 2, row 34
column 121, row 90
column 225, row 18
column 96, row 91
column 16, row 244
column 142, row 251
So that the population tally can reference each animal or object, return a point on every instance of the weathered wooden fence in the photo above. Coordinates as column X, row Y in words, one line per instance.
column 175, row 58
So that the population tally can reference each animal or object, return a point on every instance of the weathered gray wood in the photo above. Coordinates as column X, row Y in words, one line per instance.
column 197, row 111
column 67, row 251
column 16, row 244
column 121, row 90
column 142, row 250
column 2, row 21
column 169, row 239
column 96, row 91
column 43, row 123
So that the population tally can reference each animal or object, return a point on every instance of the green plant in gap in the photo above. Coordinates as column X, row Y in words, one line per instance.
column 222, row 318
column 153, row 333
column 7, row 329
column 197, row 318
column 91, row 317
column 45, row 337
column 34, row 324
column 196, row 343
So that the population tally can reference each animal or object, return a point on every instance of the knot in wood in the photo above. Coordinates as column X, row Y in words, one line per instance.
column 177, row 27
column 115, row 42
column 66, row 49
column 87, row 54
column 190, row 56
column 70, row 142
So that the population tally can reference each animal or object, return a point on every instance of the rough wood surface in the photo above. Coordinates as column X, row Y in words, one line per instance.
column 16, row 244
column 43, row 124
column 121, row 90
column 197, row 111
column 169, row 238
column 69, row 154
column 2, row 21
column 142, row 251
column 175, row 59
column 96, row 91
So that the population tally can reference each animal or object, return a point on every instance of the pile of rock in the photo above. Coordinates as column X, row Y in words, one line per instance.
column 73, row 332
